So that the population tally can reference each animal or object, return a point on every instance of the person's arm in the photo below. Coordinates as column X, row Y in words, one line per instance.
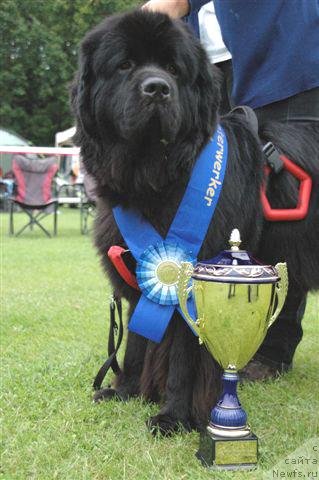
column 174, row 8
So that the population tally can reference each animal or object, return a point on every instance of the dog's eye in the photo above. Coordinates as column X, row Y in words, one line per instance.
column 127, row 65
column 171, row 68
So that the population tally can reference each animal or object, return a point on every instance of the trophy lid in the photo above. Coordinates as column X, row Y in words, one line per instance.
column 235, row 266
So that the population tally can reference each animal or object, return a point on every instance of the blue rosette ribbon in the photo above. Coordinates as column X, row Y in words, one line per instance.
column 157, row 271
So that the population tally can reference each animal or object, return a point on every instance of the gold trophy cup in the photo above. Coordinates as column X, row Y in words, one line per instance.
column 237, row 299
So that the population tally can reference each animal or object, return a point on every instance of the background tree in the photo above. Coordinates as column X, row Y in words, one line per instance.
column 38, row 56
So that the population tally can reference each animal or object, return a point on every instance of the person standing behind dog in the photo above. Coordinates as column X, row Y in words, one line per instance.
column 275, row 49
column 275, row 54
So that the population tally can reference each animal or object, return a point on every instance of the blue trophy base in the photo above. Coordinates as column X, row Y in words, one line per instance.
column 227, row 443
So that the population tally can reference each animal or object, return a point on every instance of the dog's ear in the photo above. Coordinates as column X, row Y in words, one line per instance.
column 81, row 95
column 208, row 82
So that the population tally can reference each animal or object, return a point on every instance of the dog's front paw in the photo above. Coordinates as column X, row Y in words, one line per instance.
column 106, row 394
column 166, row 425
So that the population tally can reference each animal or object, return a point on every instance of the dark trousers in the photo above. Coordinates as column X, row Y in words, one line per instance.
column 303, row 107
column 284, row 335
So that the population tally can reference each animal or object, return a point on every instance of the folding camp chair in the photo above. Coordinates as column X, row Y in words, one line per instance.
column 33, row 180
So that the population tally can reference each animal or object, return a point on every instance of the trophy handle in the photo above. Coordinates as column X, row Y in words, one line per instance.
column 185, row 273
column 281, row 289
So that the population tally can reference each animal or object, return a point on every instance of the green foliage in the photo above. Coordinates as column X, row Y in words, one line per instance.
column 54, row 339
column 38, row 56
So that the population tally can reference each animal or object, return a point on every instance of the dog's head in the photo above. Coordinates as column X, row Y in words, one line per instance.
column 142, row 74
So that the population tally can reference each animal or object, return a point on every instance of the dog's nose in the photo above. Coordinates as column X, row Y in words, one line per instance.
column 156, row 88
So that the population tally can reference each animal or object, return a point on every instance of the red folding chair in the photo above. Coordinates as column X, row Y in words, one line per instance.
column 33, row 179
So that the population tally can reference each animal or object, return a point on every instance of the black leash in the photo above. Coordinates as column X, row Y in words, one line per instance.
column 115, row 330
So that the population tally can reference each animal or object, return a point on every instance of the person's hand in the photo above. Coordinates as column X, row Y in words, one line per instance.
column 173, row 8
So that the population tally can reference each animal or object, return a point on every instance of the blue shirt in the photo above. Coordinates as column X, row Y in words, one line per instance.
column 274, row 45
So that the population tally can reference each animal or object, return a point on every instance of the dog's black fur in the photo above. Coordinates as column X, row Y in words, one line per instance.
column 140, row 149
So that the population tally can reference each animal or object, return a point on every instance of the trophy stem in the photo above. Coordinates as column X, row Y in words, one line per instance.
column 228, row 418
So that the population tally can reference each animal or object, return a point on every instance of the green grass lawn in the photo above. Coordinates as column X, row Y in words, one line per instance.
column 54, row 333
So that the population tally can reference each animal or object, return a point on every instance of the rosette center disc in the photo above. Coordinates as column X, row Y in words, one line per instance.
column 167, row 272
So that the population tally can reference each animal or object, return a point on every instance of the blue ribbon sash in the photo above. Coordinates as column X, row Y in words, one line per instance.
column 186, row 233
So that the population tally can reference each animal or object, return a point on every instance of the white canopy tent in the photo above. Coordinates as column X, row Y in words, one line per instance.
column 68, row 164
column 64, row 137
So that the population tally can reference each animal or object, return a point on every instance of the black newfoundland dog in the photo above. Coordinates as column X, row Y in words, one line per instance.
column 146, row 101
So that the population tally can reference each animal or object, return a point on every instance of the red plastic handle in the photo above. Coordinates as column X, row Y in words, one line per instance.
column 115, row 255
column 302, row 207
